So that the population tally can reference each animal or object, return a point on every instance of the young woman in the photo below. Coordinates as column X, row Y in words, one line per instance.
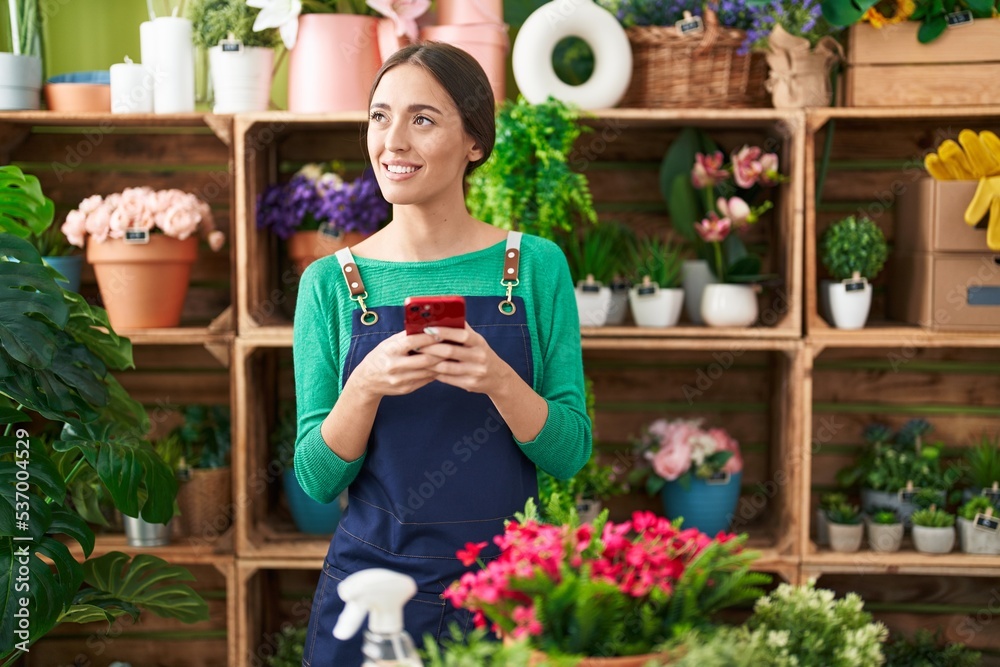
column 436, row 435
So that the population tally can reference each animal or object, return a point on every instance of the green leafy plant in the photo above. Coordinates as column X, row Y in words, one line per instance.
column 477, row 649
column 26, row 27
column 56, row 357
column 925, row 649
column 933, row 518
column 289, row 645
column 845, row 514
column 832, row 499
column 891, row 460
column 214, row 20
column 976, row 505
column 527, row 184
column 659, row 260
column 52, row 243
column 205, row 436
column 983, row 462
column 932, row 14
column 597, row 251
column 885, row 517
column 852, row 248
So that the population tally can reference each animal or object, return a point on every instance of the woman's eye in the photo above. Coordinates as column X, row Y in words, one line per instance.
column 377, row 116
column 422, row 120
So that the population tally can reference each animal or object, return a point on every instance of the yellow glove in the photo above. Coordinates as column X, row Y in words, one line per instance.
column 987, row 198
column 982, row 160
column 978, row 156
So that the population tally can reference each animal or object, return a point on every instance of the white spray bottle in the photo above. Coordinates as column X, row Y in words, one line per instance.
column 379, row 594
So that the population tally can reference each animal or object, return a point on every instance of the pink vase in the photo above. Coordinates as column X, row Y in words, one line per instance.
column 461, row 12
column 333, row 64
column 488, row 43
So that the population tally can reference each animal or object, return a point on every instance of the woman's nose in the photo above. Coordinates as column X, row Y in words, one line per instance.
column 396, row 137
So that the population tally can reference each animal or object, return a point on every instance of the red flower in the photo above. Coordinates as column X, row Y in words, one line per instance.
column 470, row 554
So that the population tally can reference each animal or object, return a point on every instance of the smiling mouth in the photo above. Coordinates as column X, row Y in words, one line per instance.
column 400, row 169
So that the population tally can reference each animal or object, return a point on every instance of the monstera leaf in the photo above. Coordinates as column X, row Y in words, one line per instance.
column 24, row 210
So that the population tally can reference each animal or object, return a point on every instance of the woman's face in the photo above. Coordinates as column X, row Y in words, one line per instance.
column 416, row 141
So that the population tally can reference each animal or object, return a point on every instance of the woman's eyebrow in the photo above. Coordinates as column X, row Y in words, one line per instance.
column 413, row 108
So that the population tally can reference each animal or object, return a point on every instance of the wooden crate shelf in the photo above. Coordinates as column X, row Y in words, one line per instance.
column 905, row 561
column 274, row 593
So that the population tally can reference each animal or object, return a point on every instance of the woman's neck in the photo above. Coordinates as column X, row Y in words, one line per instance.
column 418, row 235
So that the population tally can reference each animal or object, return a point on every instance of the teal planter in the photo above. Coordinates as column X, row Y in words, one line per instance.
column 310, row 516
column 69, row 266
column 705, row 506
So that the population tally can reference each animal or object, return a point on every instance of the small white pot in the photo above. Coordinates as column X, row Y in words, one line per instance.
column 655, row 307
column 618, row 309
column 725, row 305
column 241, row 79
column 934, row 540
column 977, row 541
column 848, row 309
column 695, row 275
column 846, row 538
column 885, row 537
column 593, row 301
column 20, row 82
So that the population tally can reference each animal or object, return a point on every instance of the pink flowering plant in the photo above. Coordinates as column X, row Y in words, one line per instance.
column 174, row 213
column 603, row 588
column 682, row 449
column 713, row 198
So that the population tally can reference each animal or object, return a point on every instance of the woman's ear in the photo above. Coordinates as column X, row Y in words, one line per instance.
column 475, row 153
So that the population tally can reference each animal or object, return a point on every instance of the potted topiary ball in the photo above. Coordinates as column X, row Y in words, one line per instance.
column 854, row 251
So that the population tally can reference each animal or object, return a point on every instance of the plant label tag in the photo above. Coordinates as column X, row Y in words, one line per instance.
column 908, row 494
column 959, row 19
column 136, row 236
column 851, row 285
column 184, row 474
column 719, row 478
column 231, row 45
column 993, row 494
column 689, row 25
column 987, row 523
column 590, row 288
column 329, row 231
column 646, row 290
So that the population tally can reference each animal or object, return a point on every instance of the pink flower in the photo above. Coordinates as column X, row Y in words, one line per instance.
column 747, row 168
column 404, row 13
column 734, row 208
column 708, row 170
column 527, row 624
column 470, row 554
column 713, row 229
column 75, row 228
column 726, row 443
column 769, row 167
column 90, row 204
column 674, row 460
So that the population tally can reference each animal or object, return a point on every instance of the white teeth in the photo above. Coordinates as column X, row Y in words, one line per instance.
column 399, row 169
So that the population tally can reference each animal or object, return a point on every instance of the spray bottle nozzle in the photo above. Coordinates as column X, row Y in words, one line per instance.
column 378, row 593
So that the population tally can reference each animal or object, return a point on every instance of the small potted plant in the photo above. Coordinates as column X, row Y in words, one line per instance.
column 696, row 471
column 240, row 59
column 57, row 252
column 317, row 212
column 982, row 469
column 595, row 256
column 21, row 69
column 854, row 251
column 310, row 517
column 657, row 298
column 978, row 530
column 826, row 502
column 204, row 492
column 846, row 528
column 289, row 645
column 885, row 530
column 138, row 531
column 933, row 530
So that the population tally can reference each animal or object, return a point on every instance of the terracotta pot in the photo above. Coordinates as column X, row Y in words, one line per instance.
column 333, row 64
column 306, row 247
column 143, row 285
column 87, row 97
column 461, row 12
column 488, row 43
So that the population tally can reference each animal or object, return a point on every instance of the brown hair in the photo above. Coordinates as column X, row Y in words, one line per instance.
column 463, row 79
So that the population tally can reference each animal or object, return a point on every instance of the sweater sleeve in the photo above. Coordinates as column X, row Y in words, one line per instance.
column 320, row 471
column 564, row 444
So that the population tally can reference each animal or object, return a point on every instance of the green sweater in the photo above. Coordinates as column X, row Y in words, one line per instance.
column 322, row 338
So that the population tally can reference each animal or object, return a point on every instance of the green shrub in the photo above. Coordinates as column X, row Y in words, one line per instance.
column 977, row 505
column 925, row 650
column 213, row 20
column 852, row 246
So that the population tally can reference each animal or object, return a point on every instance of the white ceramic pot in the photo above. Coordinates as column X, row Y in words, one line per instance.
column 976, row 540
column 934, row 540
column 241, row 79
column 872, row 500
column 618, row 309
column 885, row 537
column 20, row 82
column 655, row 307
column 695, row 275
column 846, row 538
column 593, row 301
column 848, row 309
column 725, row 305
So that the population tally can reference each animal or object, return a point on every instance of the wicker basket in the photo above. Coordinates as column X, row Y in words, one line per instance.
column 205, row 502
column 674, row 71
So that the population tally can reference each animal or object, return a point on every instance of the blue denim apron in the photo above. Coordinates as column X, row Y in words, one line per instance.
column 442, row 469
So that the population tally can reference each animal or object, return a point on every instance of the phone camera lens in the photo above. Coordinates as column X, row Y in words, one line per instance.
column 414, row 309
column 425, row 315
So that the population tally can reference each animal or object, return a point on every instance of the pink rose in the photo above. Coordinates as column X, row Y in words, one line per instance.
column 99, row 222
column 673, row 460
column 726, row 443
column 90, row 204
column 75, row 228
column 747, row 167
column 180, row 222
column 708, row 170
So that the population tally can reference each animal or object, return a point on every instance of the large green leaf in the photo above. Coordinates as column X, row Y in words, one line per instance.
column 28, row 293
column 11, row 415
column 148, row 582
column 24, row 210
column 90, row 326
column 932, row 28
column 65, row 522
column 845, row 12
column 682, row 201
column 685, row 209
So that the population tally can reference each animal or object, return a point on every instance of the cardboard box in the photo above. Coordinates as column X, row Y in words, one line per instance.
column 889, row 67
column 930, row 217
column 946, row 291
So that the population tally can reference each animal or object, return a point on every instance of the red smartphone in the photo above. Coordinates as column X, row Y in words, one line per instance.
column 433, row 311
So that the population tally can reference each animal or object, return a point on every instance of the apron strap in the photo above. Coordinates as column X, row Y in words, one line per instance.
column 511, row 266
column 356, row 285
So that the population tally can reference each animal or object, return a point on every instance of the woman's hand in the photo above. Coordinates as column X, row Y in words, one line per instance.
column 390, row 369
column 471, row 365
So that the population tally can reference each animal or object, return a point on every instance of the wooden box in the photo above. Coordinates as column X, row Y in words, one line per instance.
column 931, row 218
column 947, row 291
column 889, row 67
